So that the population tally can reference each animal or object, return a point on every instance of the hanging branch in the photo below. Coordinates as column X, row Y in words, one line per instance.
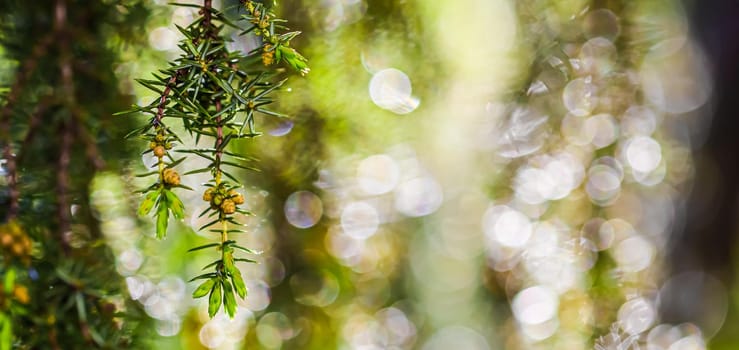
column 62, row 174
column 63, row 75
column 28, row 68
column 216, row 94
column 62, row 187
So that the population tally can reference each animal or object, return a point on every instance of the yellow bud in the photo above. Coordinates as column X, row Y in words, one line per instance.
column 159, row 151
column 171, row 177
column 228, row 206
column 208, row 195
column 21, row 294
column 6, row 239
column 236, row 197
column 17, row 249
column 268, row 58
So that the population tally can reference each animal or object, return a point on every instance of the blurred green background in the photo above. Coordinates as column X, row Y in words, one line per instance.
column 478, row 174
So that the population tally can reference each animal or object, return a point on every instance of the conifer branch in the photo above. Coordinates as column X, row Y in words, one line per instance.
column 217, row 98
column 62, row 186
column 11, row 168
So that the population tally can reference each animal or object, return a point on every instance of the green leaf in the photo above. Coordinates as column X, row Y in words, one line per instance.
column 197, row 171
column 278, row 55
column 96, row 336
column 224, row 85
column 272, row 113
column 9, row 282
column 245, row 212
column 237, row 165
column 203, row 247
column 228, row 261
column 204, row 288
column 134, row 109
column 214, row 301
column 148, row 189
column 149, row 84
column 175, row 205
column 185, row 187
column 6, row 334
column 204, row 276
column 184, row 5
column 80, row 303
column 246, row 249
column 211, row 223
column 176, row 162
column 147, row 174
column 211, row 264
column 229, row 301
column 241, row 157
column 148, row 203
column 207, row 209
column 276, row 86
column 234, row 179
column 137, row 131
column 238, row 282
column 162, row 217
column 191, row 47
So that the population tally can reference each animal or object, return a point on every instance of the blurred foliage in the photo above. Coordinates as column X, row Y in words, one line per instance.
column 58, row 132
column 477, row 175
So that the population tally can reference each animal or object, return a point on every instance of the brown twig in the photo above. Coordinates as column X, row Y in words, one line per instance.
column 11, row 167
column 207, row 4
column 66, row 71
column 66, row 130
column 208, row 17
column 53, row 339
column 91, row 148
column 219, row 136
column 163, row 98
column 62, row 186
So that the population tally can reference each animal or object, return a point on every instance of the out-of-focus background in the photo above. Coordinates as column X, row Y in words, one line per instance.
column 478, row 175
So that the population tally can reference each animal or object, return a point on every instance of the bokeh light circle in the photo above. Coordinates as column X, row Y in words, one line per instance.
column 579, row 97
column 535, row 305
column 506, row 226
column 391, row 89
column 359, row 220
column 643, row 153
column 636, row 316
column 378, row 174
column 303, row 209
column 418, row 197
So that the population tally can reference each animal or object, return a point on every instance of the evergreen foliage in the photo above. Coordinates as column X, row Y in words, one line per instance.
column 216, row 94
column 60, row 289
